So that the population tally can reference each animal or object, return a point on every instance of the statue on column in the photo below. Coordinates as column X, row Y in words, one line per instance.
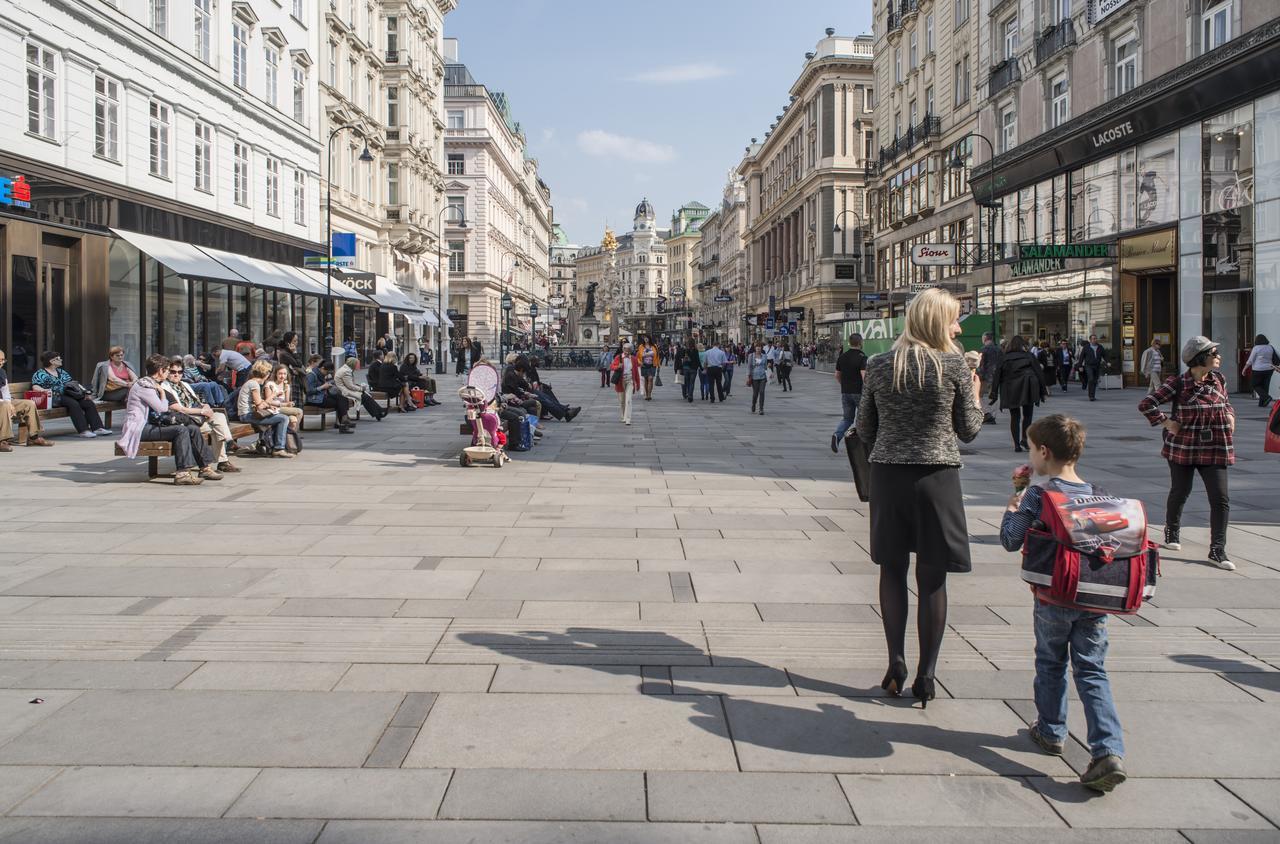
column 590, row 310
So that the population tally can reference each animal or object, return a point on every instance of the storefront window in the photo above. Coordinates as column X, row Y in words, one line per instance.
column 151, row 306
column 126, row 301
column 311, row 323
column 176, row 330
column 1099, row 211
column 257, row 318
column 240, row 309
column 25, row 352
column 1058, row 213
column 1227, row 149
column 1026, row 215
column 1157, row 199
column 1128, row 189
column 216, row 318
column 1267, row 147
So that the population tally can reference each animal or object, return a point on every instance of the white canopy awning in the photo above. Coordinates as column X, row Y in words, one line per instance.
column 426, row 318
column 259, row 272
column 445, row 317
column 391, row 298
column 183, row 258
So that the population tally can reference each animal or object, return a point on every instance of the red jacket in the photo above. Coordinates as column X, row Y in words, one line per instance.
column 635, row 372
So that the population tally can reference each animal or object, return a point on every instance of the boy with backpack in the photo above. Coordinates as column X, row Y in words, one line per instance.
column 1056, row 443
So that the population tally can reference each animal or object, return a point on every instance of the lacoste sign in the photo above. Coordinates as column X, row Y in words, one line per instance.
column 1110, row 136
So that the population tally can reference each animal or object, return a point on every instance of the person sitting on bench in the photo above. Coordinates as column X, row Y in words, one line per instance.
column 345, row 378
column 252, row 407
column 182, row 399
column 322, row 392
column 23, row 411
column 148, row 419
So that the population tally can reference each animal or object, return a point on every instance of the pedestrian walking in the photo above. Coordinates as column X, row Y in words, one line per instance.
column 460, row 349
column 625, row 370
column 715, row 372
column 650, row 360
column 730, row 361
column 987, row 366
column 1198, row 439
column 1093, row 360
column 688, row 364
column 1065, row 362
column 1019, row 385
column 786, row 360
column 477, row 351
column 1151, row 364
column 916, row 401
column 603, row 362
column 757, row 363
column 849, row 368
column 1261, row 364
column 703, row 377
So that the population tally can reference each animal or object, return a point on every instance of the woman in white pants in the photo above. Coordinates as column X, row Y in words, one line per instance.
column 625, row 373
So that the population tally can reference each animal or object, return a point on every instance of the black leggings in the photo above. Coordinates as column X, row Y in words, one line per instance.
column 1261, row 385
column 338, row 402
column 757, row 393
column 784, row 376
column 1019, row 422
column 83, row 413
column 1215, row 484
column 931, row 615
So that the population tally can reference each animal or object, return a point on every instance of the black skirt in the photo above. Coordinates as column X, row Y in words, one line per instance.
column 920, row 509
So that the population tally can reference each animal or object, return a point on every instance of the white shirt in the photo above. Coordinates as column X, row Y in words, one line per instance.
column 1260, row 357
column 715, row 357
column 233, row 359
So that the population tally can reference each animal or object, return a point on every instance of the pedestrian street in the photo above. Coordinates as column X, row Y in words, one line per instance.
column 662, row 632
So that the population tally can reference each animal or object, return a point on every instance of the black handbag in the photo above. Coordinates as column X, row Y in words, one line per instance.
column 74, row 390
column 616, row 378
column 859, row 463
column 170, row 418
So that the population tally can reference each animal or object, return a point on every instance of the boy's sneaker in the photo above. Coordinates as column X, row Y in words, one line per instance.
column 1104, row 774
column 1048, row 745
column 1218, row 556
column 1171, row 540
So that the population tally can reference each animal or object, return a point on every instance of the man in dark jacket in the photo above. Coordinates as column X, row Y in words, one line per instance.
column 987, row 367
column 1064, row 360
column 1093, row 359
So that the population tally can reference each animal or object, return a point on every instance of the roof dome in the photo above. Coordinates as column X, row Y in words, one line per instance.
column 645, row 209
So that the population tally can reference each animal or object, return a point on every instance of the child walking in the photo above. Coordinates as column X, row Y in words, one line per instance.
column 1056, row 443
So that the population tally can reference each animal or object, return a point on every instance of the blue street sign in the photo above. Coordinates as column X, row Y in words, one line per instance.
column 768, row 324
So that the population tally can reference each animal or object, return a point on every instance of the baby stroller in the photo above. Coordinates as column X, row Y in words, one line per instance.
column 487, row 440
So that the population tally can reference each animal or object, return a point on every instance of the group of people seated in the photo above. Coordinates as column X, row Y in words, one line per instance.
column 523, row 386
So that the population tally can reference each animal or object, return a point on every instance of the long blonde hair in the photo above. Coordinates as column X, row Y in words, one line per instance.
column 926, row 335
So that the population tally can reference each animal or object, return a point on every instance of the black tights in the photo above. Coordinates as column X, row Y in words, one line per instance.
column 931, row 617
column 1019, row 422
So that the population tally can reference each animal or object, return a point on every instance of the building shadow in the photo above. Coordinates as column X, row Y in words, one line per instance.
column 826, row 729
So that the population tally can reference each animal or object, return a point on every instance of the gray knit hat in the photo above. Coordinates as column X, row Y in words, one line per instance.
column 1193, row 347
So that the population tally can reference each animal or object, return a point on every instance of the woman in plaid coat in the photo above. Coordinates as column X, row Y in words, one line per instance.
column 1197, row 439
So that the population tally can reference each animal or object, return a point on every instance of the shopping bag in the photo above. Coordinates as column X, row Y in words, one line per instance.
column 40, row 399
column 419, row 397
column 1272, row 442
column 679, row 378
column 859, row 464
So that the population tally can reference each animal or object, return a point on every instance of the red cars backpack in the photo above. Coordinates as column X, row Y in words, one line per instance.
column 1090, row 552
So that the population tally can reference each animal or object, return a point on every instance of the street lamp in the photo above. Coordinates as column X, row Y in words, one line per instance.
column 440, row 244
column 507, row 304
column 328, row 213
column 957, row 163
column 857, row 268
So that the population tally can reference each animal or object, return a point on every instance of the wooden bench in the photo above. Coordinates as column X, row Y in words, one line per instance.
column 385, row 398
column 19, row 390
column 314, row 410
column 153, row 450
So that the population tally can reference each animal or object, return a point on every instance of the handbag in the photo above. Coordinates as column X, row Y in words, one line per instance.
column 616, row 377
column 39, row 399
column 74, row 390
column 859, row 464
column 679, row 379
column 170, row 418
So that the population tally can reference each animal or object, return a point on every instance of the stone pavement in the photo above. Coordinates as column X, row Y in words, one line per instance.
column 661, row 633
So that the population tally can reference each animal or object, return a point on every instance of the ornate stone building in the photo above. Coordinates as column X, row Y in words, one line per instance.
column 563, row 319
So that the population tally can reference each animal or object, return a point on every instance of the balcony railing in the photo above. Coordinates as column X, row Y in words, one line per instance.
column 1003, row 75
column 929, row 127
column 1055, row 39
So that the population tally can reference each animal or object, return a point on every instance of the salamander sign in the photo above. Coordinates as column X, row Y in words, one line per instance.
column 1037, row 251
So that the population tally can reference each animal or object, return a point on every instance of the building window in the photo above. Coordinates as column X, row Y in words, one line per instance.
column 333, row 65
column 457, row 120
column 106, row 118
column 1060, row 100
column 961, row 81
column 353, row 180
column 913, row 50
column 370, row 86
column 393, row 36
column 1010, row 30
column 271, row 54
column 299, row 196
column 204, row 157
column 241, row 191
column 299, row 92
column 273, row 187
column 457, row 164
column 868, row 100
column 368, row 24
column 962, row 12
column 928, row 34
column 928, row 102
column 240, row 55
column 203, row 30
column 393, row 184
column 869, row 144
column 1216, row 26
column 457, row 256
column 42, row 82
column 1126, row 63
column 353, row 80
column 393, row 106
column 1008, row 128
column 159, row 139
column 297, row 11
column 159, row 17
column 897, row 65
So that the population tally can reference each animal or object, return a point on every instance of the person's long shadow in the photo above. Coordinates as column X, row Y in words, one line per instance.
column 1245, row 674
column 826, row 729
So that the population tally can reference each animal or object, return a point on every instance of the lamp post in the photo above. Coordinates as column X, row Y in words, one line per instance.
column 440, row 244
column 957, row 163
column 507, row 304
column 858, row 254
column 328, row 213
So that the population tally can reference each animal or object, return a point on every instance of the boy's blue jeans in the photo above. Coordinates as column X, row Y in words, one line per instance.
column 1062, row 632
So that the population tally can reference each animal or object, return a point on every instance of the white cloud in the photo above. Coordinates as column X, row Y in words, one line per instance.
column 548, row 135
column 675, row 73
column 604, row 144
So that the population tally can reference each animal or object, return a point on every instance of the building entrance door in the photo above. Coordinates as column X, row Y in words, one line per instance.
column 1228, row 319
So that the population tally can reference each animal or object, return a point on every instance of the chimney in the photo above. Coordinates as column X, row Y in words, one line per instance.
column 451, row 51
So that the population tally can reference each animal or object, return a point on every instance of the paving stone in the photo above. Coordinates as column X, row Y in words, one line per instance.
column 214, row 606
column 576, row 679
column 981, row 801
column 533, row 832
column 364, row 584
column 17, row 783
column 894, row 834
column 1263, row 796
column 574, row 586
column 303, row 639
column 140, row 581
column 273, row 676
column 94, row 674
column 79, row 606
column 155, row 831
column 1125, row 686
column 139, row 792
column 745, row 681
column 416, row 678
column 328, row 607
column 343, row 793
column 786, row 588
column 459, row 609
column 751, row 797
column 18, row 714
column 660, row 612
column 598, row 732
column 615, row 643
column 488, row 794
column 847, row 613
column 260, row 729
column 1150, row 803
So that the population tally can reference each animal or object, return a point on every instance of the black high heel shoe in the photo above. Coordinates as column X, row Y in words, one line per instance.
column 895, row 679
column 922, row 690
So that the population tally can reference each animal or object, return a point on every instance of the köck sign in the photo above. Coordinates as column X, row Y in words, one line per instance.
column 934, row 254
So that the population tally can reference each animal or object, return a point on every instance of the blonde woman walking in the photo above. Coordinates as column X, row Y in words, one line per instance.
column 916, row 400
column 625, row 375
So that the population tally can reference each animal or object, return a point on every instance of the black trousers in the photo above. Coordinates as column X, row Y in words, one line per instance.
column 757, row 392
column 189, row 448
column 83, row 413
column 784, row 376
column 1064, row 376
column 1091, row 374
column 1261, row 385
column 1215, row 484
column 1019, row 422
column 715, row 379
column 337, row 402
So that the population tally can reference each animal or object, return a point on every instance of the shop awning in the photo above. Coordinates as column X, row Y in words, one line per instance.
column 425, row 318
column 445, row 317
column 258, row 272
column 393, row 299
column 183, row 258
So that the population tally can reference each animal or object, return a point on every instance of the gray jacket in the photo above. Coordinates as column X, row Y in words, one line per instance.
column 101, row 373
column 918, row 425
column 345, row 380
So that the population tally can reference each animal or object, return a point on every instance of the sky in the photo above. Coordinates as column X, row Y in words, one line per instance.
column 625, row 100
